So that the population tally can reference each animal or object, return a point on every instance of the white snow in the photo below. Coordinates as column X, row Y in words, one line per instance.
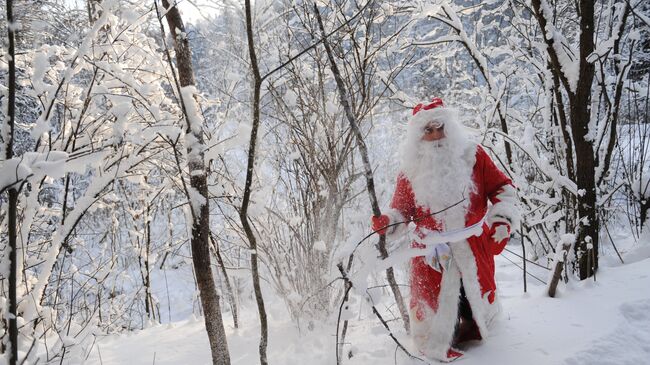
column 290, row 98
column 30, row 164
column 320, row 246
column 602, row 322
column 565, row 50
column 116, row 148
column 192, row 108
column 641, row 185
column 331, row 107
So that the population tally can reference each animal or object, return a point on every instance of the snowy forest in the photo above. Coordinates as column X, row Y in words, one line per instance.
column 193, row 182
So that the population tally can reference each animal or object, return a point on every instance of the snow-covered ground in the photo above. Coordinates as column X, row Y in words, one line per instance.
column 601, row 322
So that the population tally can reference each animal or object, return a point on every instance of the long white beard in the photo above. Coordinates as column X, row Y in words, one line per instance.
column 440, row 173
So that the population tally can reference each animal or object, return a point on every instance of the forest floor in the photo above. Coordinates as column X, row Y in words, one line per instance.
column 606, row 321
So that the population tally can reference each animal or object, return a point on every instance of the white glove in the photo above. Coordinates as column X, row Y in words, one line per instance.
column 501, row 232
column 438, row 257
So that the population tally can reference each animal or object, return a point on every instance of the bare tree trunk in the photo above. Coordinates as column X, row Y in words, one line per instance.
column 13, row 192
column 586, row 247
column 91, row 7
column 560, row 265
column 370, row 184
column 198, row 180
column 568, row 142
column 614, row 107
column 568, row 198
column 524, row 235
column 645, row 209
column 580, row 112
column 149, row 304
column 226, row 279
column 243, row 213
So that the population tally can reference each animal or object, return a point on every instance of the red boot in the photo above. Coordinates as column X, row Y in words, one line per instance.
column 453, row 355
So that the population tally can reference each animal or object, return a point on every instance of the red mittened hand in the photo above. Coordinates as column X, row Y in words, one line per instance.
column 500, row 234
column 379, row 223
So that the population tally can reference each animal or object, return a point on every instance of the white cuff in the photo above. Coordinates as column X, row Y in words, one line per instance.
column 505, row 210
column 397, row 230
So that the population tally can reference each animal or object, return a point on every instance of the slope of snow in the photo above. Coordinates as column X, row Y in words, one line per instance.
column 602, row 322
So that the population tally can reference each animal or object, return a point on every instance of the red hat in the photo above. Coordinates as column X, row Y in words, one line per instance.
column 435, row 110
column 435, row 102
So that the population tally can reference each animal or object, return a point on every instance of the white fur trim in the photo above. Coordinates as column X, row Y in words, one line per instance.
column 442, row 115
column 395, row 216
column 505, row 211
column 433, row 335
column 482, row 310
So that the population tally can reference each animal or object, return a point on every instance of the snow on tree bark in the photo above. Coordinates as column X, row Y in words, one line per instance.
column 198, row 182
column 370, row 184
column 577, row 77
column 12, row 221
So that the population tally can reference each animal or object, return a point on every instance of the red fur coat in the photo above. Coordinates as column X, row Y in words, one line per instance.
column 435, row 295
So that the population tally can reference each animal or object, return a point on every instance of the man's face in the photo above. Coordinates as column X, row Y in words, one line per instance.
column 434, row 131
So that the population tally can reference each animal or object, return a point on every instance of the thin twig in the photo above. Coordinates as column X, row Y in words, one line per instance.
column 514, row 263
column 527, row 260
column 325, row 37
column 376, row 312
column 414, row 220
column 613, row 245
